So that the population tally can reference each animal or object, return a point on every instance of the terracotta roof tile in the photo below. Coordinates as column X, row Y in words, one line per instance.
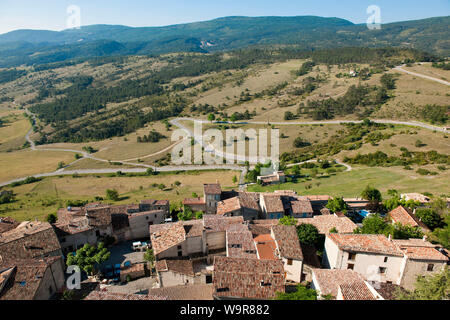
column 212, row 189
column 201, row 292
column 425, row 253
column 110, row 296
column 273, row 203
column 329, row 280
column 366, row 243
column 266, row 247
column 240, row 242
column 26, row 277
column 301, row 206
column 288, row 243
column 194, row 201
column 248, row 278
column 185, row 267
column 356, row 291
column 7, row 224
column 166, row 236
column 325, row 223
column 215, row 223
column 406, row 217
column 29, row 240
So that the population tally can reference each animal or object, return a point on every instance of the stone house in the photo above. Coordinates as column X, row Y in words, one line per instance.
column 31, row 279
column 246, row 204
column 30, row 240
column 240, row 278
column 378, row 258
column 173, row 273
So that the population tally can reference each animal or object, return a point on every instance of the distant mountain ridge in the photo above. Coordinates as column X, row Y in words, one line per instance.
column 307, row 32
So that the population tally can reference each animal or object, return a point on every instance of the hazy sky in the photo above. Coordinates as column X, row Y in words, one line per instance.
column 52, row 14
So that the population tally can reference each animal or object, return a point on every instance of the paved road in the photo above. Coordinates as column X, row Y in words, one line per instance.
column 400, row 68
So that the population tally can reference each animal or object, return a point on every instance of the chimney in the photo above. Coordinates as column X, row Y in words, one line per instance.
column 424, row 239
column 390, row 237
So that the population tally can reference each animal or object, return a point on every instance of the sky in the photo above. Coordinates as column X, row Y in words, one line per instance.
column 52, row 14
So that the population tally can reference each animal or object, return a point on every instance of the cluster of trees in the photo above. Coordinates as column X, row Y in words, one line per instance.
column 253, row 175
column 305, row 68
column 375, row 224
column 436, row 114
column 6, row 196
column 362, row 97
column 89, row 258
column 11, row 75
column 349, row 139
column 432, row 287
column 441, row 65
column 239, row 116
column 407, row 158
column 187, row 214
column 153, row 137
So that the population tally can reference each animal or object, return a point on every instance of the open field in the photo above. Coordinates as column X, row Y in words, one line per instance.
column 123, row 148
column 25, row 163
column 46, row 196
column 351, row 184
column 13, row 131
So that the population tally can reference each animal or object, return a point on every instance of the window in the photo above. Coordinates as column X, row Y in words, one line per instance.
column 289, row 262
column 382, row 270
column 209, row 279
column 385, row 259
column 351, row 267
column 352, row 256
column 430, row 267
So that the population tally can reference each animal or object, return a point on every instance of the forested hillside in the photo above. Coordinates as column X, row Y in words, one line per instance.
column 306, row 33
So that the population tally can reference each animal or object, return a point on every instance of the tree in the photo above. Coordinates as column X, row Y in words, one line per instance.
column 288, row 115
column 373, row 225
column 199, row 215
column 51, row 218
column 112, row 194
column 186, row 214
column 400, row 231
column 194, row 195
column 372, row 194
column 302, row 293
column 337, row 205
column 149, row 256
column 388, row 81
column 6, row 197
column 235, row 179
column 334, row 230
column 442, row 235
column 430, row 217
column 433, row 287
column 89, row 257
column 150, row 172
column 300, row 143
column 211, row 117
column 288, row 221
column 308, row 234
